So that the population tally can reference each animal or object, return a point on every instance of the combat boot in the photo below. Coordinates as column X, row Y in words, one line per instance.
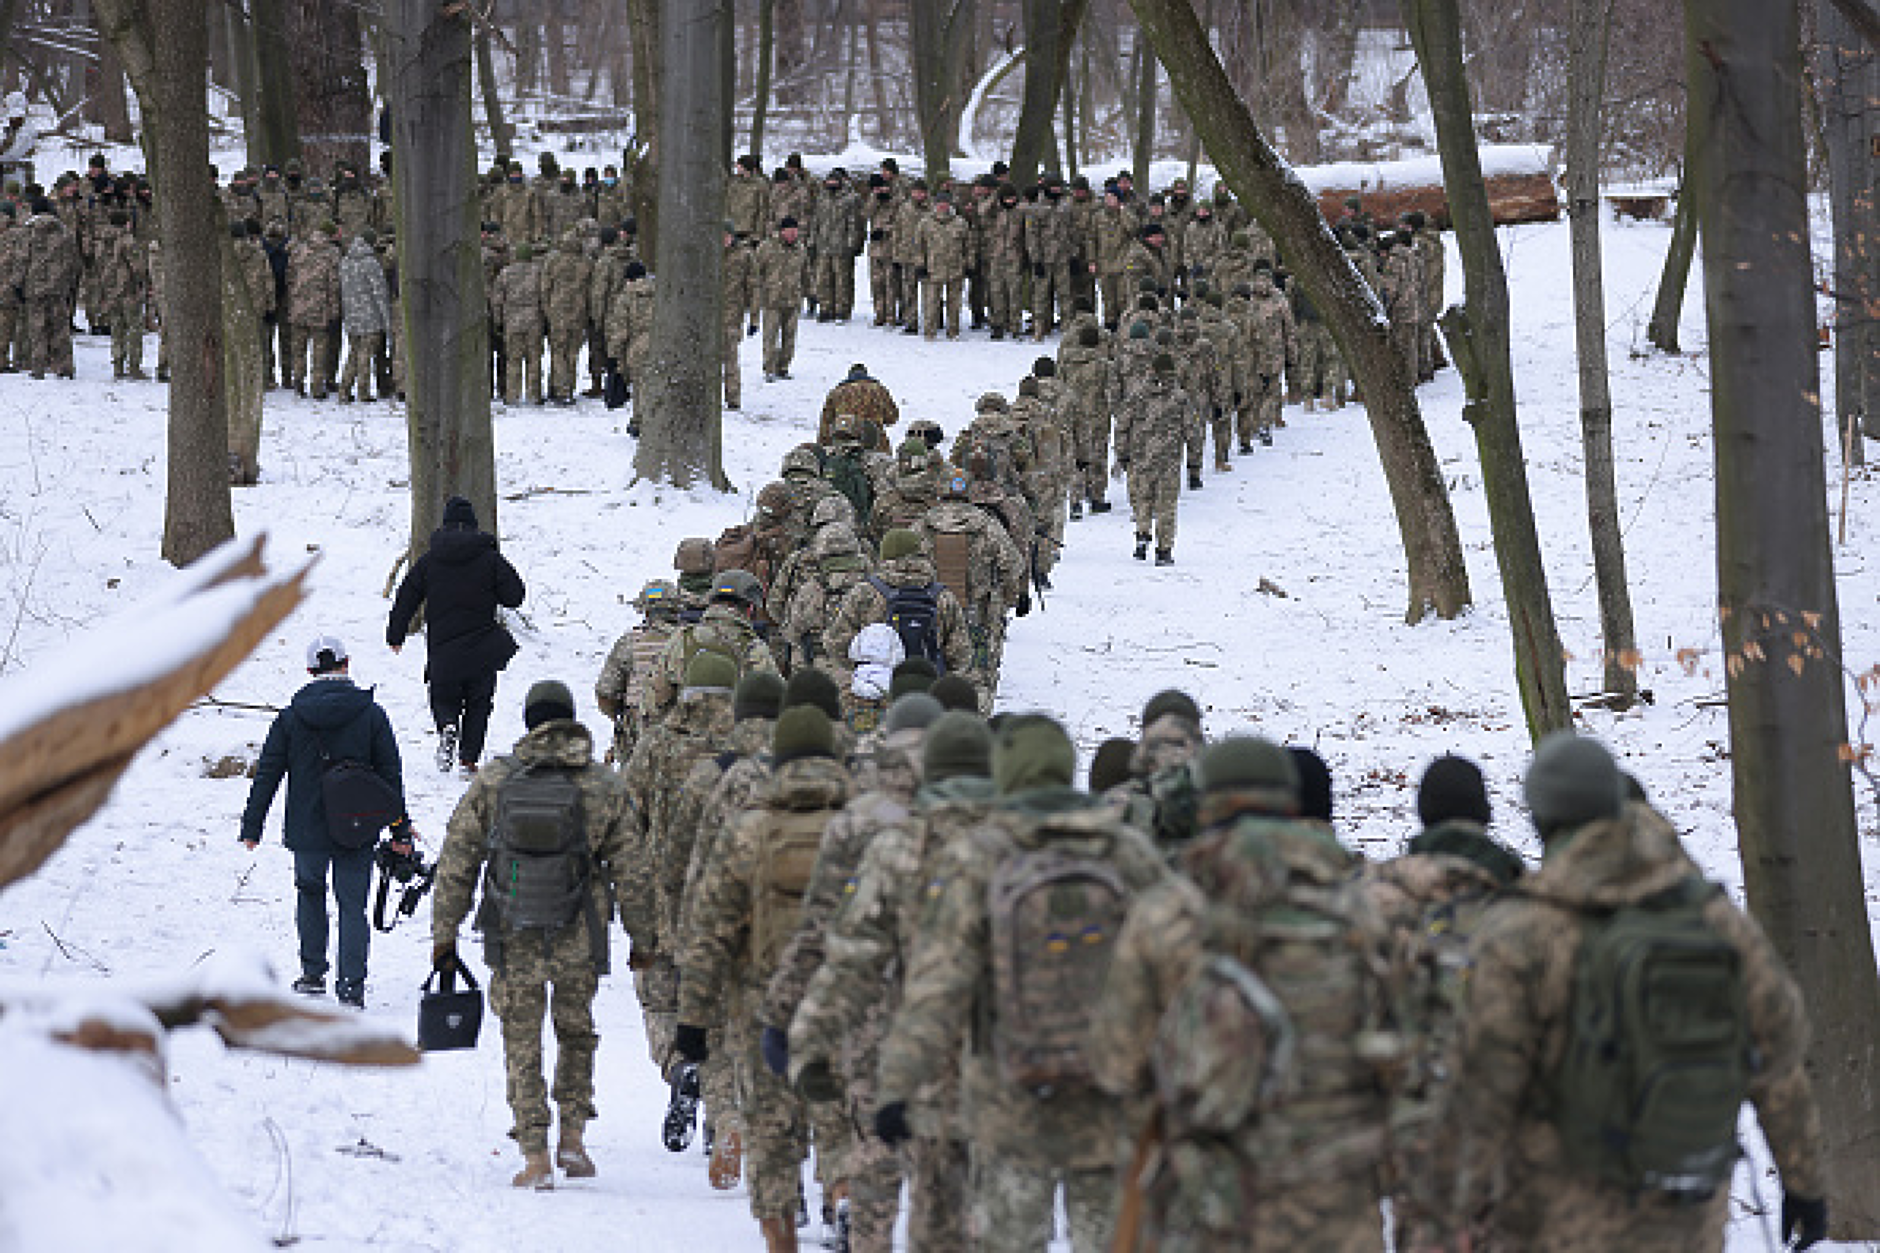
column 1077, row 511
column 1142, row 548
column 572, row 1156
column 536, row 1172
column 779, row 1234
column 1100, row 506
column 1164, row 557
column 1194, row 480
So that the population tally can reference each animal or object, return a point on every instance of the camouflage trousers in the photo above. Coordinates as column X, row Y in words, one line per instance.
column 309, row 376
column 1332, row 1215
column 908, row 295
column 10, row 322
column 1005, row 291
column 1090, row 435
column 657, row 987
column 883, row 290
column 1154, row 491
column 940, row 296
column 1567, row 1215
column 557, row 977
column 776, row 1132
column 1114, row 294
column 870, row 1169
column 522, row 365
column 1221, row 422
column 835, row 284
column 362, row 354
column 734, row 378
column 49, row 334
column 722, row 1079
column 564, row 356
column 779, row 337
column 1051, row 290
column 1012, row 1209
column 938, row 1217
column 126, row 319
column 1261, row 413
column 1321, row 369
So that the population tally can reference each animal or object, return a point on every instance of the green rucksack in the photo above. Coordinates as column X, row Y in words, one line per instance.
column 1658, row 1058
column 540, row 870
column 845, row 472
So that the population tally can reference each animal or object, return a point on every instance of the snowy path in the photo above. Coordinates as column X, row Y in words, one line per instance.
column 158, row 880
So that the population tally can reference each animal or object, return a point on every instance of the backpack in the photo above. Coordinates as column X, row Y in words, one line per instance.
column 784, row 862
column 540, row 867
column 1224, row 1048
column 1658, row 1058
column 692, row 646
column 844, row 472
column 735, row 549
column 914, row 613
column 359, row 803
column 1054, row 918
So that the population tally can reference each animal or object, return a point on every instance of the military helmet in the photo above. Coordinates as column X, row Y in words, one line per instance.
column 832, row 510
column 658, row 596
column 927, row 431
column 802, row 460
column 738, row 585
column 991, row 402
column 694, row 556
column 775, row 499
column 913, row 456
column 845, row 428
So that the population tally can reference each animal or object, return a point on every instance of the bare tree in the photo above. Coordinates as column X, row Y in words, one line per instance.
column 274, row 66
column 1478, row 337
column 1668, row 308
column 1050, row 32
column 1848, row 71
column 1775, row 579
column 1438, row 577
column 163, row 45
column 333, row 107
column 942, row 29
column 681, row 434
column 766, row 63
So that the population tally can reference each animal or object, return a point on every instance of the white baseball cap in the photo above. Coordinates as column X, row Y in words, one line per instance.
column 325, row 653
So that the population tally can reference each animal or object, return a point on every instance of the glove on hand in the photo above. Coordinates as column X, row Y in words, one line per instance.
column 818, row 1083
column 774, row 1044
column 891, row 1124
column 444, row 955
column 689, row 1042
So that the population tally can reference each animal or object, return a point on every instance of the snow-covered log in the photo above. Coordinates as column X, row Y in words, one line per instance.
column 1519, row 177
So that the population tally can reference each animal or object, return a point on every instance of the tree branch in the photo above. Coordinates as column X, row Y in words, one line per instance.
column 1862, row 17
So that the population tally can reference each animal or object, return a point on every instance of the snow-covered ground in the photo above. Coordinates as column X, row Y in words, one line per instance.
column 417, row 1159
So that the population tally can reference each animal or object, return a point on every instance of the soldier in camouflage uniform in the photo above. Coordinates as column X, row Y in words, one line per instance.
column 1515, row 1182
column 1115, row 229
column 1321, row 373
column 747, row 199
column 744, row 912
column 1005, row 264
column 630, row 329
column 1151, row 429
column 567, row 277
column 724, row 628
column 806, row 594
column 870, row 943
column 517, row 306
column 537, row 972
column 908, row 217
column 622, row 682
column 313, row 306
column 1400, row 287
column 979, row 562
column 866, row 398
column 1198, row 371
column 366, row 302
column 258, row 274
column 839, row 235
column 1050, row 479
column 121, row 290
column 740, row 294
column 1272, row 347
column 352, row 206
column 1084, row 366
column 1203, row 240
column 782, row 278
column 563, row 207
column 884, row 288
column 52, row 274
column 1299, row 1168
column 944, row 243
column 910, row 491
column 1048, row 247
column 905, row 562
column 1025, row 1145
column 15, row 242
column 518, row 209
column 1148, row 259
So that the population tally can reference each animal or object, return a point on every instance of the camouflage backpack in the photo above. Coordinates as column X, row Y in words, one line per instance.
column 1658, row 1058
column 1054, row 918
column 1223, row 1049
column 540, row 868
column 785, row 859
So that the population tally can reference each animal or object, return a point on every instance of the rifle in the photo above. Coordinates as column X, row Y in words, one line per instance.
column 1129, row 1238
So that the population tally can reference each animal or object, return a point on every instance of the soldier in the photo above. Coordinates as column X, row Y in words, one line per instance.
column 1202, row 242
column 52, row 274
column 1084, row 367
column 992, row 976
column 630, row 330
column 884, row 286
column 563, row 207
column 1151, row 430
column 912, row 486
column 1170, row 739
column 1147, row 262
column 611, row 204
column 1272, row 347
column 1005, row 265
column 1261, row 929
column 1049, row 480
column 567, row 278
column 15, row 244
column 258, row 276
column 907, row 221
column 313, row 305
column 979, row 563
column 1198, row 371
column 352, row 206
column 904, row 592
column 747, row 199
column 272, row 196
column 814, row 581
column 724, row 628
column 869, row 947
column 518, row 209
column 1083, row 208
column 838, row 241
column 944, row 243
column 740, row 284
column 622, row 683
column 1048, row 246
column 543, row 819
column 782, row 276
column 367, row 303
column 1400, row 287
column 1428, row 242
column 1115, row 229
column 121, row 291
column 794, row 197
column 1321, row 370
column 517, row 306
column 747, row 905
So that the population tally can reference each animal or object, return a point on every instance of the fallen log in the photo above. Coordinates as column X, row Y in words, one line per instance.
column 1519, row 179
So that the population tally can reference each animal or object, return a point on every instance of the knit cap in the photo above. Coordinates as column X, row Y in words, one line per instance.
column 758, row 695
column 547, row 701
column 1572, row 781
column 957, row 744
column 1032, row 751
column 813, row 688
column 802, row 731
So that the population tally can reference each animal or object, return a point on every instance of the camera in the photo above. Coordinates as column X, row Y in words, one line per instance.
column 407, row 868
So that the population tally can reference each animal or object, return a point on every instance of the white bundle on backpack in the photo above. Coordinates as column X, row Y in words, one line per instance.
column 876, row 650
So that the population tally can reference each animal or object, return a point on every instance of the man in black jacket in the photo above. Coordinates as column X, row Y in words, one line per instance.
column 330, row 719
column 460, row 582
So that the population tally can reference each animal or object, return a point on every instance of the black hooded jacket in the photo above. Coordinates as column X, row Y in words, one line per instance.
column 460, row 581
column 344, row 719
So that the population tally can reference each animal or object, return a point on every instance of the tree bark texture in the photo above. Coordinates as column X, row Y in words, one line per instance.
column 502, row 134
column 241, row 40
column 1050, row 32
column 941, row 32
column 1145, row 110
column 114, row 112
column 280, row 116
column 641, row 168
column 1586, row 83
column 334, row 109
column 681, row 432
column 1438, row 576
column 766, row 61
column 1849, row 76
column 1668, row 307
column 447, row 393
column 1775, row 579
column 1540, row 666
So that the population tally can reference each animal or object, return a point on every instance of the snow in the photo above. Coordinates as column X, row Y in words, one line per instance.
column 158, row 880
column 1498, row 161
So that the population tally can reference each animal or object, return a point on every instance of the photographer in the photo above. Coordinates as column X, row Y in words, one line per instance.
column 329, row 720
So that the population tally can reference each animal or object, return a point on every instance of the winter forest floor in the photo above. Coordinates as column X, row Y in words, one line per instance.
column 417, row 1160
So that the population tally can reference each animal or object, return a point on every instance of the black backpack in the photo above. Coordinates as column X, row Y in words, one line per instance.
column 359, row 803
column 914, row 613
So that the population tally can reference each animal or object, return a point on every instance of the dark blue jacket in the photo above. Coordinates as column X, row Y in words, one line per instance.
column 350, row 724
column 460, row 582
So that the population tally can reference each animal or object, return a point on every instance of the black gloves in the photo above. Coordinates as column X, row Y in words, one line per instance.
column 774, row 1044
column 689, row 1042
column 1024, row 604
column 891, row 1124
column 1803, row 1220
column 818, row 1083
column 875, row 237
column 1037, row 269
column 920, row 272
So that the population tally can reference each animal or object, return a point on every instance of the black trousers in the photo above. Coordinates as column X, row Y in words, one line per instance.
column 467, row 704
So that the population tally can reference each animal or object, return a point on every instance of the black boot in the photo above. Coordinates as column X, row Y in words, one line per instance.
column 681, row 1110
column 1100, row 506
column 1164, row 557
column 1142, row 548
column 1194, row 480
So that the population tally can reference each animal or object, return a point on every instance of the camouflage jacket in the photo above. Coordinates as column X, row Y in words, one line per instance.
column 1005, row 238
column 52, row 265
column 352, row 209
column 908, row 215
column 812, row 583
column 620, row 689
column 996, row 569
column 948, row 994
column 561, row 209
column 945, row 246
column 839, row 228
column 1272, row 342
column 629, row 326
column 604, row 809
column 879, row 215
column 518, row 210
column 747, row 204
column 716, row 791
column 720, row 629
column 1157, row 423
column 1142, row 261
column 699, row 726
column 1047, row 232
column 256, row 273
column 872, row 937
column 1203, row 241
column 313, row 294
column 865, row 605
column 866, row 398
column 740, row 281
column 121, row 270
column 567, row 276
column 867, row 814
column 782, row 273
column 795, row 198
column 365, row 298
column 1516, row 1026
column 1115, row 231
column 1401, row 285
column 517, row 300
column 1085, row 372
column 715, row 957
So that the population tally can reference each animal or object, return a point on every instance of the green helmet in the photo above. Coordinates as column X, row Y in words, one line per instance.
column 658, row 596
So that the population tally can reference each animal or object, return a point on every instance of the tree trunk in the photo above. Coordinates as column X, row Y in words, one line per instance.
column 1438, row 576
column 1775, row 579
column 440, row 275
column 280, row 125
column 1586, row 84
column 555, row 34
column 502, row 134
column 941, row 30
column 1343, row 55
column 113, row 108
column 163, row 45
column 766, row 60
column 1479, row 338
column 334, row 106
column 1847, row 77
column 528, row 55
column 681, row 428
column 877, row 79
column 1145, row 110
column 787, row 55
column 241, row 40
column 1050, row 31
column 1668, row 309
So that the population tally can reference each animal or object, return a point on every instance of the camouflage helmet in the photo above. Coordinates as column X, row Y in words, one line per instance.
column 991, row 402
column 913, row 456
column 927, row 431
column 694, row 556
column 775, row 500
column 836, row 540
column 802, row 460
column 658, row 596
column 835, row 509
column 738, row 585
